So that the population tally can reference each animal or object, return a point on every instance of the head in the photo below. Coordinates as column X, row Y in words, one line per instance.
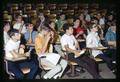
column 62, row 16
column 52, row 24
column 15, row 35
column 85, row 11
column 95, row 21
column 76, row 23
column 45, row 29
column 68, row 28
column 98, row 16
column 6, row 26
column 81, row 17
column 94, row 27
column 110, row 17
column 41, row 16
column 29, row 26
column 19, row 18
column 113, row 27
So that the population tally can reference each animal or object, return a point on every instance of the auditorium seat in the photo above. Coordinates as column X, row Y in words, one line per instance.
column 51, row 6
column 62, row 6
column 39, row 7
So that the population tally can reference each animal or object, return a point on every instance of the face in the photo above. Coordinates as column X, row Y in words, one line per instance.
column 98, row 16
column 113, row 28
column 81, row 17
column 30, row 27
column 19, row 19
column 46, row 32
column 110, row 17
column 77, row 23
column 62, row 17
column 70, row 30
column 17, row 36
column 7, row 27
column 95, row 29
column 95, row 21
column 52, row 25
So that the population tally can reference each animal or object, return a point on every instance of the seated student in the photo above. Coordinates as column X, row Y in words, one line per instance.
column 11, row 51
column 19, row 24
column 42, row 42
column 6, row 30
column 110, row 38
column 93, row 41
column 70, row 44
column 29, row 37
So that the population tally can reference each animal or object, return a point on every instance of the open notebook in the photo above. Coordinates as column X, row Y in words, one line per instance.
column 81, row 52
column 53, row 58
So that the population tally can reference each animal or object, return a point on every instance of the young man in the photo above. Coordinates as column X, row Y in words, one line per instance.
column 70, row 44
column 19, row 24
column 6, row 30
column 57, row 64
column 110, row 38
column 93, row 42
column 11, row 52
column 30, row 35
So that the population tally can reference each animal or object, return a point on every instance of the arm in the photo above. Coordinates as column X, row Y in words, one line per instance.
column 15, row 54
column 39, row 46
column 71, row 50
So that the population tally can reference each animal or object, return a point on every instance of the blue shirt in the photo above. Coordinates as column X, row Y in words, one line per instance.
column 110, row 36
column 27, row 35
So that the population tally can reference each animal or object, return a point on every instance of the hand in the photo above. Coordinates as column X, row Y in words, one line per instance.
column 22, row 22
column 22, row 46
column 29, row 41
column 27, row 54
column 48, row 36
column 52, row 34
column 77, row 53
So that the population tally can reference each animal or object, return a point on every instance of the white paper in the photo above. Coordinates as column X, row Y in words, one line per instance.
column 53, row 58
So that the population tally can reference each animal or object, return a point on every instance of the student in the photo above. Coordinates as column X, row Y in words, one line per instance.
column 19, row 24
column 93, row 41
column 42, row 42
column 110, row 38
column 30, row 35
column 70, row 44
column 6, row 30
column 61, row 21
column 11, row 51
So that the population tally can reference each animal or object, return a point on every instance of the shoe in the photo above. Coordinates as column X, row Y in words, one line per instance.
column 56, row 77
column 80, row 70
column 44, row 77
column 114, row 62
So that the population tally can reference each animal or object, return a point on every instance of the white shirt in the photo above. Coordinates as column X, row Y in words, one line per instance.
column 68, row 40
column 102, row 21
column 87, row 18
column 93, row 40
column 17, row 26
column 10, row 46
column 6, row 38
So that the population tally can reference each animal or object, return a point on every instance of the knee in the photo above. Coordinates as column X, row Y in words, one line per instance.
column 59, row 68
column 34, row 67
column 19, row 76
column 64, row 62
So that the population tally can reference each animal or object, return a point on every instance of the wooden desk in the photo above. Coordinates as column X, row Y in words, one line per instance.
column 80, row 40
column 16, row 59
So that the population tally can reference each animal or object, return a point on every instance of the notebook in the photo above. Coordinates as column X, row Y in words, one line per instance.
column 53, row 58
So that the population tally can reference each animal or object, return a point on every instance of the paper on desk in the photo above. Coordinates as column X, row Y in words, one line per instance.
column 81, row 52
column 53, row 58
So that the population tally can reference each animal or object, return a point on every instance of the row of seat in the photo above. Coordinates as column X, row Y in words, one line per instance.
column 41, row 6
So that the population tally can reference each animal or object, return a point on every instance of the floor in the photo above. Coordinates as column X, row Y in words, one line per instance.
column 105, row 73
